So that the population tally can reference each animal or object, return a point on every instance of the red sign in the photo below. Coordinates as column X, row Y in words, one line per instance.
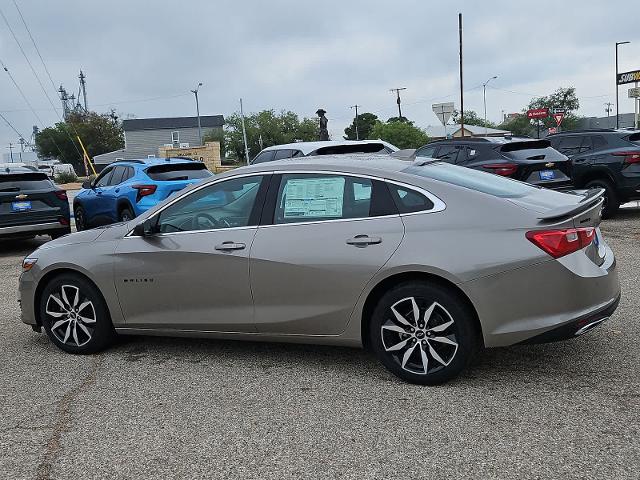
column 553, row 130
column 558, row 117
column 538, row 113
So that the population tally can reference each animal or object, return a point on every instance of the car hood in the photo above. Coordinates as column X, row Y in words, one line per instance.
column 100, row 234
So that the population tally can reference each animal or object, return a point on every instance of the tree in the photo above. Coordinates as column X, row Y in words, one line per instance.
column 519, row 126
column 100, row 133
column 400, row 134
column 472, row 118
column 215, row 135
column 271, row 128
column 564, row 98
column 366, row 121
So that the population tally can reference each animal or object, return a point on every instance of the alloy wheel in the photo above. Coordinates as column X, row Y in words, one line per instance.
column 73, row 316
column 420, row 336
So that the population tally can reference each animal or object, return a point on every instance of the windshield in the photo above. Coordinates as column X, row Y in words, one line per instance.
column 472, row 179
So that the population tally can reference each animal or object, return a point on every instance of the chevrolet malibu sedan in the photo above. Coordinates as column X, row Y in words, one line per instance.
column 423, row 263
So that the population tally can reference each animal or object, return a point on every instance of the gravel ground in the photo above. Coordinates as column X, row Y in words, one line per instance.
column 180, row 408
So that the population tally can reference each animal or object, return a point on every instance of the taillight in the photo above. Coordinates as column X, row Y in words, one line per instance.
column 629, row 157
column 61, row 194
column 64, row 221
column 144, row 190
column 559, row 243
column 504, row 169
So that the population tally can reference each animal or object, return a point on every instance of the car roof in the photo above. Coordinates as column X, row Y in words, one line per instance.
column 147, row 162
column 374, row 164
column 621, row 131
column 6, row 170
column 493, row 140
column 307, row 147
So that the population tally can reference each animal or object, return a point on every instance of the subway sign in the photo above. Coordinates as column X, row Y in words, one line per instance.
column 629, row 77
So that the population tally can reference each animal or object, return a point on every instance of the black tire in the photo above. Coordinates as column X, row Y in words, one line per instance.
column 125, row 215
column 611, row 199
column 68, row 318
column 80, row 217
column 448, row 306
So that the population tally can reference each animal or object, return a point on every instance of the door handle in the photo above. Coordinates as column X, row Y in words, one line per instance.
column 363, row 241
column 228, row 246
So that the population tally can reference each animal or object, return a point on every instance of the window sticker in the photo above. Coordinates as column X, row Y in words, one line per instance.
column 314, row 197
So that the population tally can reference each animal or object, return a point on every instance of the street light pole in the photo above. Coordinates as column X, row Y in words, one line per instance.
column 195, row 92
column 484, row 97
column 617, row 101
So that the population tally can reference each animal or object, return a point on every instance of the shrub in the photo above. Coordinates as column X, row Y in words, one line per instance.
column 65, row 177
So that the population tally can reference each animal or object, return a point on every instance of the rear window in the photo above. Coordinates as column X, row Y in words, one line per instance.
column 531, row 150
column 24, row 181
column 343, row 149
column 472, row 179
column 179, row 171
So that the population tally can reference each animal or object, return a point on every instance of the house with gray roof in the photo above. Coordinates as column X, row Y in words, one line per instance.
column 143, row 136
column 439, row 132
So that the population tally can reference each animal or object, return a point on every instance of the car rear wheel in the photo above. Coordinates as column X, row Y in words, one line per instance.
column 75, row 316
column 423, row 333
column 81, row 219
column 125, row 215
column 611, row 200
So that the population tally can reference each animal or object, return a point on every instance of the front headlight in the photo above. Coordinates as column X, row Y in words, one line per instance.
column 28, row 263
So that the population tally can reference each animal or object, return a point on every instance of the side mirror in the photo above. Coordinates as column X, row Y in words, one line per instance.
column 146, row 228
column 87, row 184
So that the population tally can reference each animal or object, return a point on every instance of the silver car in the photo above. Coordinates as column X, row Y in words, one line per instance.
column 423, row 263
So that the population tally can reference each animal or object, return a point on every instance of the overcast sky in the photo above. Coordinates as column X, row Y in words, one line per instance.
column 142, row 57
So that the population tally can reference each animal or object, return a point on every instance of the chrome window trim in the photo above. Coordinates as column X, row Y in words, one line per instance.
column 438, row 205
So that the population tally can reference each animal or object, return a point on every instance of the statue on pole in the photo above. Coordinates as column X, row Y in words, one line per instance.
column 324, row 122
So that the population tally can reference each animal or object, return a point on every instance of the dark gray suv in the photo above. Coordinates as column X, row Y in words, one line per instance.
column 604, row 158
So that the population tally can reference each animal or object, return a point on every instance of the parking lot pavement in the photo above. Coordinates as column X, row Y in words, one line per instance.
column 181, row 408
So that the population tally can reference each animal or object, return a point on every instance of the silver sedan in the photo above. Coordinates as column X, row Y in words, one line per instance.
column 423, row 263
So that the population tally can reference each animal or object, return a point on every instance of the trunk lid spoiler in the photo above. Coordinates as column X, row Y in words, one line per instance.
column 590, row 199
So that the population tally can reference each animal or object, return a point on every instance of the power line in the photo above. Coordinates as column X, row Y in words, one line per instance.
column 34, row 44
column 11, row 126
column 35, row 74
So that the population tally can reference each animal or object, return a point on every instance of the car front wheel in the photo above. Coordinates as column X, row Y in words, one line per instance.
column 75, row 316
column 423, row 333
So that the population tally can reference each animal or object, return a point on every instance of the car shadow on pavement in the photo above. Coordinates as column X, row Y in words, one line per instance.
column 569, row 361
column 21, row 247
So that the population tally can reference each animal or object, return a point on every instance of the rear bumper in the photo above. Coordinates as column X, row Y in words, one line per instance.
column 577, row 327
column 34, row 229
column 524, row 304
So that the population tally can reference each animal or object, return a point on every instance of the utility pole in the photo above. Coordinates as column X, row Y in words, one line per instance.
column 607, row 108
column 83, row 89
column 64, row 98
column 461, row 82
column 484, row 96
column 355, row 121
column 398, row 90
column 617, row 101
column 244, row 134
column 195, row 92
column 11, row 151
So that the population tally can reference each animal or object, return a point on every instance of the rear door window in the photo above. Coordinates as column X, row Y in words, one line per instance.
column 570, row 145
column 598, row 142
column 282, row 154
column 178, row 171
column 408, row 200
column 449, row 153
column 265, row 156
column 428, row 151
column 24, row 182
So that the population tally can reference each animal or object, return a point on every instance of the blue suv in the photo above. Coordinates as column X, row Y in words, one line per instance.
column 125, row 189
